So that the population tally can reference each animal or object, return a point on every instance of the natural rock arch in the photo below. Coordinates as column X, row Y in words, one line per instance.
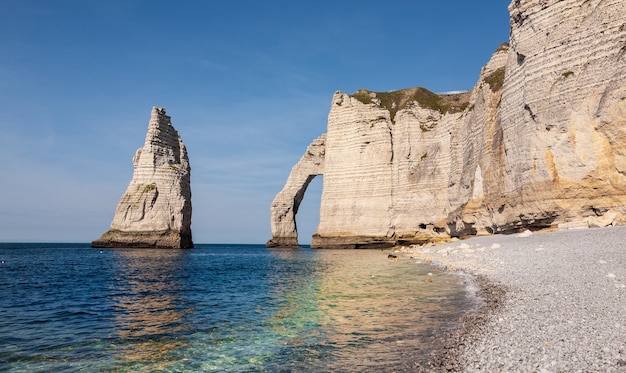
column 285, row 205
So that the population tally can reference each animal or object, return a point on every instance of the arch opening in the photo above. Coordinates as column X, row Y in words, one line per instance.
column 288, row 200
column 307, row 214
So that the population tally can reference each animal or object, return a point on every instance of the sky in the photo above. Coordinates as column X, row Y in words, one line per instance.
column 248, row 85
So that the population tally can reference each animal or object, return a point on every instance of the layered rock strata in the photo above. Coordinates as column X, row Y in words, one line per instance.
column 563, row 115
column 155, row 210
column 387, row 163
column 538, row 143
column 286, row 204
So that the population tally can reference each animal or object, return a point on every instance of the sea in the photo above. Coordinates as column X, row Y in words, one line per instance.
column 221, row 308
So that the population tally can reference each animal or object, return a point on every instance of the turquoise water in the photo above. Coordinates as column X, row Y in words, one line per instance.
column 222, row 308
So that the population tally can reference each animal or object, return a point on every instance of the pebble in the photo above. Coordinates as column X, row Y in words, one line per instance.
column 553, row 309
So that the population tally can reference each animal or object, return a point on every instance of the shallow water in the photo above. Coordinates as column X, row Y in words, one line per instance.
column 227, row 308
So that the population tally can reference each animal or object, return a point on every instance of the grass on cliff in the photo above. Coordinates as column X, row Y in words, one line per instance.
column 145, row 188
column 398, row 100
column 149, row 187
column 496, row 79
column 503, row 47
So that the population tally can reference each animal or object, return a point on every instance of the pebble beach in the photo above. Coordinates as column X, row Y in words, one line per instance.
column 551, row 301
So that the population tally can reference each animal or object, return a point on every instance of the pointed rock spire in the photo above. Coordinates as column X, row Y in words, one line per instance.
column 155, row 210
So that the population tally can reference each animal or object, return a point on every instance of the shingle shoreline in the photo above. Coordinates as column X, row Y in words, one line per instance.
column 552, row 302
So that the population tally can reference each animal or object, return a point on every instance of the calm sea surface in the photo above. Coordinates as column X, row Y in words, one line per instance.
column 226, row 308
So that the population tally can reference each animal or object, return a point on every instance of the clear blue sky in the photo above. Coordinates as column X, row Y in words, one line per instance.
column 248, row 84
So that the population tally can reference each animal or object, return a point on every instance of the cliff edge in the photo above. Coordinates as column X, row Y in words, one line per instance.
column 155, row 210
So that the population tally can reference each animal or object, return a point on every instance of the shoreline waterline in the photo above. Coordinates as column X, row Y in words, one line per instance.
column 553, row 301
column 228, row 308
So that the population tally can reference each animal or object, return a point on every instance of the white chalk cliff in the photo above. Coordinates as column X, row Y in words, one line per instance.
column 540, row 142
column 287, row 202
column 155, row 210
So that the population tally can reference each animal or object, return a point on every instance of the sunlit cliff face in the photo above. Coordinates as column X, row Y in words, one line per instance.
column 155, row 209
column 539, row 144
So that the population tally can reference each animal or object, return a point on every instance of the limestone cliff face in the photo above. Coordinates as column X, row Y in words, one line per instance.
column 477, row 154
column 384, row 168
column 540, row 142
column 155, row 210
column 563, row 113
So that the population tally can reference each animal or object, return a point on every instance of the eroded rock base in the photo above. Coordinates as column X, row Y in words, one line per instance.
column 283, row 243
column 372, row 242
column 157, row 240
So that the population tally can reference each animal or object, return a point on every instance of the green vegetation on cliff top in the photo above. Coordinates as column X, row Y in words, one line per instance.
column 503, row 47
column 398, row 100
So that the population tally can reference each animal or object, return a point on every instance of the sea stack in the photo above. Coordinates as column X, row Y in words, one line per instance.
column 155, row 210
column 537, row 144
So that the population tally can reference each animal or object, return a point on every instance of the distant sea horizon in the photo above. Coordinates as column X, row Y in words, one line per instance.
column 220, row 307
